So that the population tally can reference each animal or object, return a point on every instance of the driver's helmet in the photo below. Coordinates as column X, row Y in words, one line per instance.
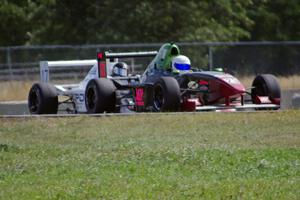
column 181, row 64
column 120, row 69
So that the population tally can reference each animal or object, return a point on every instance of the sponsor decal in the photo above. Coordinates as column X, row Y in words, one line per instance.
column 139, row 93
column 193, row 85
column 203, row 88
column 100, row 56
column 230, row 79
column 203, row 85
column 102, row 69
column 203, row 82
column 79, row 98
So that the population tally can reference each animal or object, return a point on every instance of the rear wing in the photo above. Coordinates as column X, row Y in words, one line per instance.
column 104, row 62
column 105, row 59
column 46, row 65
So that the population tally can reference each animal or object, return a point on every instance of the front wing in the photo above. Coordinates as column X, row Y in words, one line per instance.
column 245, row 107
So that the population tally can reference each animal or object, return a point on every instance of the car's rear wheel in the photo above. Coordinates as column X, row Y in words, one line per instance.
column 166, row 94
column 265, row 85
column 42, row 99
column 100, row 96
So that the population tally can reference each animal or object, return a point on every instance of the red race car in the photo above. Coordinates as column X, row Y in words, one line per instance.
column 171, row 84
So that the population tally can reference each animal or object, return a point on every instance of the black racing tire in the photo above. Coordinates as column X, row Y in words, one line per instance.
column 265, row 85
column 100, row 96
column 42, row 99
column 166, row 95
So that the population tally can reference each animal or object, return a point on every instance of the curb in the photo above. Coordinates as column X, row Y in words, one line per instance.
column 14, row 108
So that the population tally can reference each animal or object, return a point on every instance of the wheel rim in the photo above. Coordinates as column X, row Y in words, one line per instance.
column 158, row 98
column 91, row 98
column 261, row 90
column 34, row 100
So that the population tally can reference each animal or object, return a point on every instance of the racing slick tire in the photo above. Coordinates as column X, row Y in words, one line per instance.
column 100, row 96
column 166, row 95
column 42, row 99
column 265, row 85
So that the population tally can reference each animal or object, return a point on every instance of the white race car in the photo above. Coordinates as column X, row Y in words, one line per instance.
column 97, row 93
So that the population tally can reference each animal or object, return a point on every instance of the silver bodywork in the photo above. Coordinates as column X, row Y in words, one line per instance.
column 76, row 92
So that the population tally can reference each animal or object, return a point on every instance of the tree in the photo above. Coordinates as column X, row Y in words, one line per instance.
column 14, row 23
column 275, row 20
column 123, row 21
column 108, row 21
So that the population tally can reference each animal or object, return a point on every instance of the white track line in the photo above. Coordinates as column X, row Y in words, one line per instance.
column 126, row 114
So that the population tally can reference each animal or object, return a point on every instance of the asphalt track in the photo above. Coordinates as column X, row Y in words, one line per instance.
column 120, row 114
column 18, row 109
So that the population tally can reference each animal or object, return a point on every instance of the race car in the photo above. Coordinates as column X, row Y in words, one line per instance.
column 169, row 84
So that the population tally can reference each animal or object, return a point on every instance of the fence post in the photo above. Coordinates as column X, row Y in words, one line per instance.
column 44, row 71
column 8, row 61
column 210, row 57
column 132, row 65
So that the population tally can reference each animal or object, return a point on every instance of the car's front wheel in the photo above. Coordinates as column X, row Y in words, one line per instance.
column 166, row 94
column 266, row 85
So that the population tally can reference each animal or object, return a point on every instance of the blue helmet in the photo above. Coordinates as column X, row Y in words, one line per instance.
column 181, row 63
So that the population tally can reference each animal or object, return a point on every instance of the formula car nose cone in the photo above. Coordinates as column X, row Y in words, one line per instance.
column 233, row 82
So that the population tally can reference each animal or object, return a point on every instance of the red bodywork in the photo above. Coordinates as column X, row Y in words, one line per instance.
column 101, row 65
column 221, row 89
column 225, row 86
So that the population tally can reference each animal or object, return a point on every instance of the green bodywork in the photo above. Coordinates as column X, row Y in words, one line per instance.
column 164, row 57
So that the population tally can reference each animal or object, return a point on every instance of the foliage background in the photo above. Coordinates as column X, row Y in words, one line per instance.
column 30, row 22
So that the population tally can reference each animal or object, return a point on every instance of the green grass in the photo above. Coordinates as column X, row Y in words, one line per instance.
column 198, row 156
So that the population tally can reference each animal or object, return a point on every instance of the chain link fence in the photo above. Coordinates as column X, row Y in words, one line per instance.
column 239, row 58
